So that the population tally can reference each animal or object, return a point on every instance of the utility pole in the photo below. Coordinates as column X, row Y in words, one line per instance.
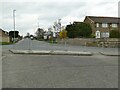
column 14, row 23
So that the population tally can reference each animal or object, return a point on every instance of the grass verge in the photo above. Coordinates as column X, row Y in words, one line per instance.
column 5, row 43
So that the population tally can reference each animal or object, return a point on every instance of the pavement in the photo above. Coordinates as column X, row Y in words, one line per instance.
column 51, row 52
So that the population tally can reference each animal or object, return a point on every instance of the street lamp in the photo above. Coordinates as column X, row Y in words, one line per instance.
column 59, row 23
column 38, row 21
column 14, row 23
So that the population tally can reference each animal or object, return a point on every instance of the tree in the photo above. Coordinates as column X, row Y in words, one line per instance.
column 11, row 34
column 70, row 31
column 27, row 35
column 79, row 30
column 85, row 30
column 40, row 34
column 63, row 34
column 114, row 34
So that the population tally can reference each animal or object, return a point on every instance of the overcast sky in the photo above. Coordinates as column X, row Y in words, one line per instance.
column 46, row 12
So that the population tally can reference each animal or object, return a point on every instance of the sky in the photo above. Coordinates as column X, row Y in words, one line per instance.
column 45, row 12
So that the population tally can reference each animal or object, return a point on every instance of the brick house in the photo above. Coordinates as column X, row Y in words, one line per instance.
column 4, row 37
column 101, row 26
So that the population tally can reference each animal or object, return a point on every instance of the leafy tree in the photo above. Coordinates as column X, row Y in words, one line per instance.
column 27, row 35
column 79, row 30
column 70, row 31
column 63, row 34
column 40, row 33
column 11, row 34
column 114, row 34
column 84, row 30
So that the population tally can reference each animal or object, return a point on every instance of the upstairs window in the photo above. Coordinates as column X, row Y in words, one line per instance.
column 97, row 24
column 104, row 25
column 114, row 25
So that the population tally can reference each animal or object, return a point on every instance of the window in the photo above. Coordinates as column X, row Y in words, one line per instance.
column 104, row 25
column 105, row 34
column 114, row 25
column 97, row 24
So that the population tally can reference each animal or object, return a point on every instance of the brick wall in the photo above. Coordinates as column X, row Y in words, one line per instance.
column 4, row 39
column 110, row 42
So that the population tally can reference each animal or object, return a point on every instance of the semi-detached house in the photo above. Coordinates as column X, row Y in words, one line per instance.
column 101, row 26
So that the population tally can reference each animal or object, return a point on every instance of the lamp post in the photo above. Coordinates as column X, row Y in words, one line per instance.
column 59, row 23
column 38, row 22
column 14, row 24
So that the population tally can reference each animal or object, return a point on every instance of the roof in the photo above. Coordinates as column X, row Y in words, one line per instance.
column 99, row 19
column 75, row 22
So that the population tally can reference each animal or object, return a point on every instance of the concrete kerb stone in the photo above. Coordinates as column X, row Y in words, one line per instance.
column 109, row 54
column 71, row 53
column 43, row 52
column 21, row 51
column 29, row 52
column 40, row 52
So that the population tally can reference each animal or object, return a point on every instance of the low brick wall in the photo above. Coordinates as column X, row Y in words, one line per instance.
column 109, row 42
column 4, row 39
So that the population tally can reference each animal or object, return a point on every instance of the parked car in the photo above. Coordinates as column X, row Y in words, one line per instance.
column 31, row 38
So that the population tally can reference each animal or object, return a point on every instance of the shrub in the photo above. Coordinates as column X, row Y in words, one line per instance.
column 114, row 34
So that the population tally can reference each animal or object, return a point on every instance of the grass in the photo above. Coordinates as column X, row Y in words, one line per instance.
column 92, row 44
column 5, row 43
column 54, row 42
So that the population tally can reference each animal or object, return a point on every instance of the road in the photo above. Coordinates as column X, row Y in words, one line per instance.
column 58, row 71
column 26, row 44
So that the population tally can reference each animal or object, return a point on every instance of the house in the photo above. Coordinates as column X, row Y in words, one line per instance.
column 101, row 26
column 4, row 37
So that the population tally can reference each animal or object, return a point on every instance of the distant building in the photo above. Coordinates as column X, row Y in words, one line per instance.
column 4, row 37
column 101, row 26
